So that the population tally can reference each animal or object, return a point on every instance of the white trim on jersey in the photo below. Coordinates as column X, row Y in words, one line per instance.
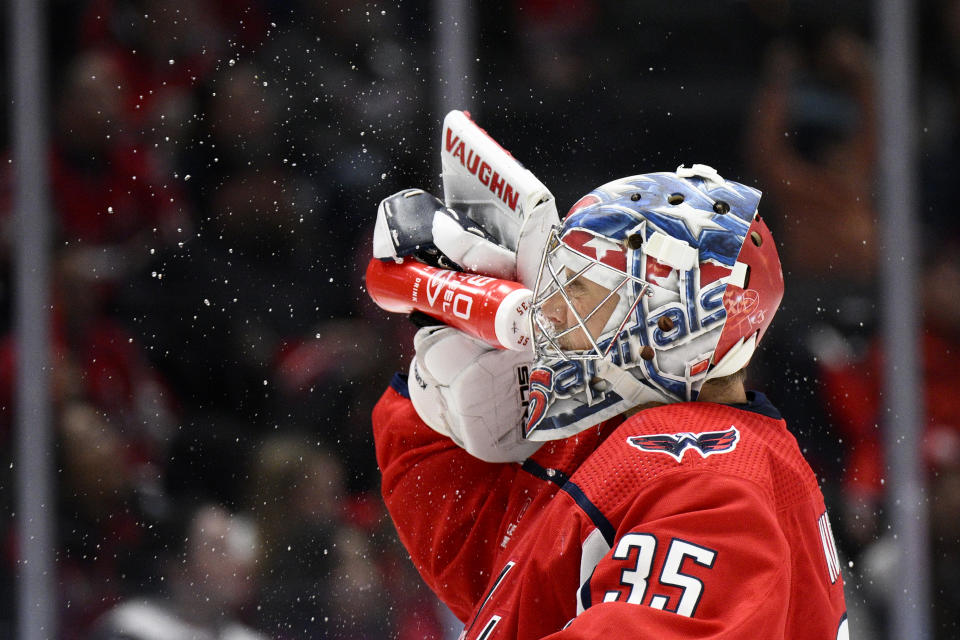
column 829, row 547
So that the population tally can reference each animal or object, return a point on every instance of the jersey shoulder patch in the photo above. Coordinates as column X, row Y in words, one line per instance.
column 676, row 445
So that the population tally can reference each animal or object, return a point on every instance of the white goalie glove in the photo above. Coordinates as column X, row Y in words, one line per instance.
column 472, row 393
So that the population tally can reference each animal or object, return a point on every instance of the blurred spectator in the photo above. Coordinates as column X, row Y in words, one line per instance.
column 324, row 380
column 108, row 195
column 113, row 417
column 811, row 143
column 97, row 360
column 207, row 586
column 853, row 389
column 330, row 565
column 296, row 496
column 107, row 504
column 165, row 50
column 359, row 607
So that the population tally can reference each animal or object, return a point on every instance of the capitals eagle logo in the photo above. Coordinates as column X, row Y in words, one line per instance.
column 676, row 444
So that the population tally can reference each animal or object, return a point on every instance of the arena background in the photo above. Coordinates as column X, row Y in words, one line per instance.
column 199, row 347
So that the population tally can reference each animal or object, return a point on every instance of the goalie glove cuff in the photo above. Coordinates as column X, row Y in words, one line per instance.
column 404, row 228
column 469, row 246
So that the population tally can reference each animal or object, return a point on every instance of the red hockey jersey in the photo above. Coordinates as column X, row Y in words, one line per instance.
column 690, row 520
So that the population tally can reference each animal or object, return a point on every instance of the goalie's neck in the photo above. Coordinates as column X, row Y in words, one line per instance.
column 724, row 393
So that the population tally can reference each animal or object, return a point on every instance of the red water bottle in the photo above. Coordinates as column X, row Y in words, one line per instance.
column 488, row 308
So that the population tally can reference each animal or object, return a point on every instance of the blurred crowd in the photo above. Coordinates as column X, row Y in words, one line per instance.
column 214, row 170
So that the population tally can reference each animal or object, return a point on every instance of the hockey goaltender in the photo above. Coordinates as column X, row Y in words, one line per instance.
column 642, row 492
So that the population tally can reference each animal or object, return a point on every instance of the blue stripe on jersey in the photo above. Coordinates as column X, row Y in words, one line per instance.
column 399, row 384
column 555, row 476
column 596, row 516
column 560, row 479
column 585, row 598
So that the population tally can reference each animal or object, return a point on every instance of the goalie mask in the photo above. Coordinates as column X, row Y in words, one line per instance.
column 652, row 285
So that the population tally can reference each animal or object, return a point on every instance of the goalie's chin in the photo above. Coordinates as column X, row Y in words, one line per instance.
column 575, row 343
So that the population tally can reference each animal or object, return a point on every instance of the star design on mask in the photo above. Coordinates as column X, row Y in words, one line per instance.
column 694, row 219
column 601, row 246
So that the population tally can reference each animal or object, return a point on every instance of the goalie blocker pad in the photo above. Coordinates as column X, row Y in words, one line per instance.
column 483, row 181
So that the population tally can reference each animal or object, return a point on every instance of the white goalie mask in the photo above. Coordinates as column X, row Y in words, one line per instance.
column 652, row 285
